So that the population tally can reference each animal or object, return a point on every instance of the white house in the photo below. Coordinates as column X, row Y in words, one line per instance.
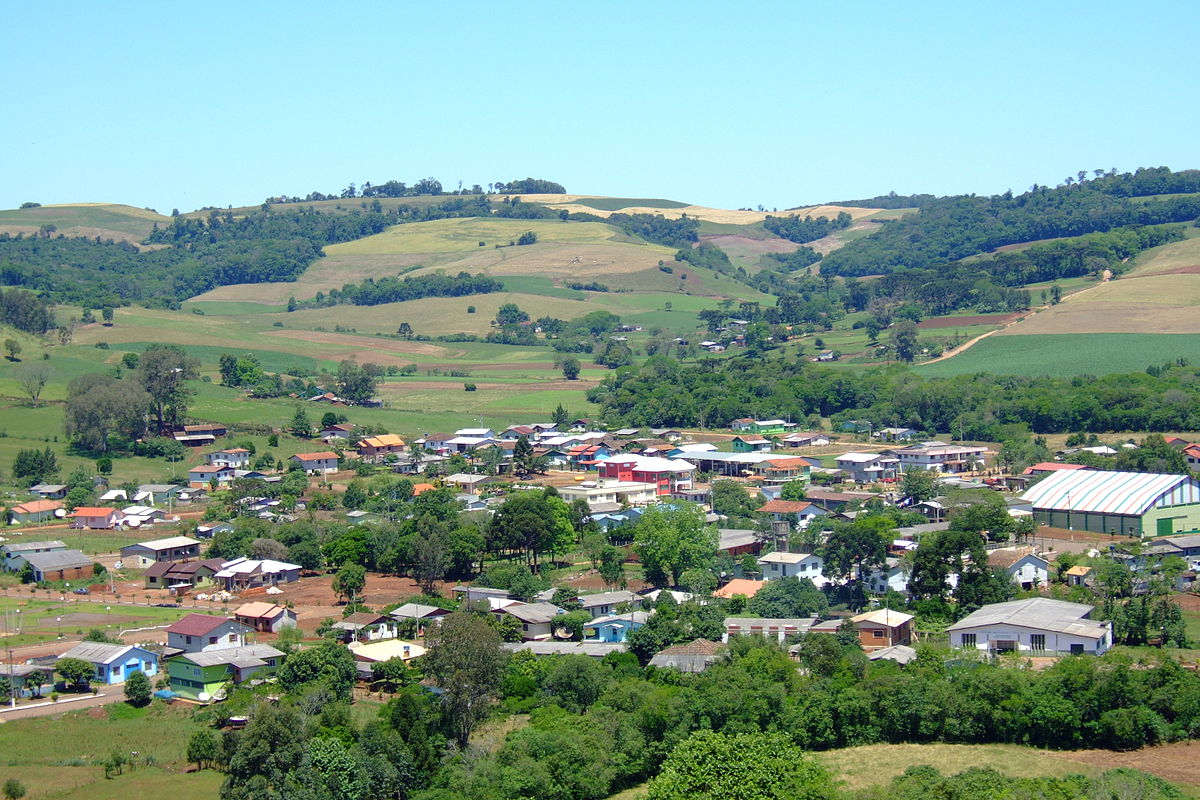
column 867, row 467
column 1028, row 571
column 940, row 456
column 320, row 463
column 236, row 457
column 536, row 618
column 792, row 565
column 1035, row 625
column 892, row 576
column 634, row 493
column 197, row 633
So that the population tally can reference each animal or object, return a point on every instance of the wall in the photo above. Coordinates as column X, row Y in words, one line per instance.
column 1055, row 642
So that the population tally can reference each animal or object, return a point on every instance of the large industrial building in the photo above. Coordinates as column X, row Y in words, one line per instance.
column 1121, row 503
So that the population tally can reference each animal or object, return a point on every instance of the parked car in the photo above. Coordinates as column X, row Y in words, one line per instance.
column 80, row 590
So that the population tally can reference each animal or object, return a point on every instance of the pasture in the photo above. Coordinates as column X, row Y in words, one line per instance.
column 106, row 220
column 1154, row 303
column 1067, row 354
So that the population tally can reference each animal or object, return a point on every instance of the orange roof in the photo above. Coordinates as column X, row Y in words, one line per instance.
column 37, row 506
column 785, row 507
column 739, row 586
column 384, row 440
column 1050, row 466
column 258, row 610
column 91, row 511
column 1079, row 569
column 324, row 454
column 419, row 488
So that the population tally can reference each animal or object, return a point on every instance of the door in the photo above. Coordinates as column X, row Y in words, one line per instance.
column 1164, row 527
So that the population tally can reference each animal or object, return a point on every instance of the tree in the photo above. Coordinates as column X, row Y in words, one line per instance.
column 35, row 466
column 13, row 789
column 794, row 491
column 405, row 330
column 857, row 549
column 918, row 484
column 203, row 748
column 612, row 571
column 301, row 428
column 561, row 416
column 137, row 689
column 266, row 548
column 354, row 382
column 904, row 340
column 268, row 756
column 787, row 598
column 328, row 663
column 100, row 407
column 33, row 379
column 75, row 671
column 163, row 371
column 731, row 499
column 523, row 456
column 349, row 581
column 1152, row 455
column 36, row 679
column 432, row 561
column 532, row 523
column 12, row 348
column 576, row 681
column 740, row 766
column 671, row 540
column 466, row 662
column 570, row 368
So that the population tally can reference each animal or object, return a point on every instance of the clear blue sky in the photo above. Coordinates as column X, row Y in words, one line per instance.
column 731, row 104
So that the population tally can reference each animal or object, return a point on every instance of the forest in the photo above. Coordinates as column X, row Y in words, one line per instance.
column 373, row 292
column 808, row 229
column 712, row 392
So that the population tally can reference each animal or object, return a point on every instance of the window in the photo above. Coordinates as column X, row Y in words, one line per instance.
column 1076, row 649
column 1037, row 641
column 968, row 640
column 212, row 640
column 877, row 634
column 189, row 639
column 233, row 637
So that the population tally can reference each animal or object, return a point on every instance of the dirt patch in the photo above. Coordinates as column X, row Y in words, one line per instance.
column 1191, row 269
column 750, row 246
column 315, row 600
column 409, row 386
column 83, row 618
column 371, row 343
column 1171, row 762
column 590, row 581
column 962, row 322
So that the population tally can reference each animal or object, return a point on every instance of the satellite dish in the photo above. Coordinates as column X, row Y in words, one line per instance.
column 219, row 694
column 204, row 697
column 60, row 512
column 133, row 523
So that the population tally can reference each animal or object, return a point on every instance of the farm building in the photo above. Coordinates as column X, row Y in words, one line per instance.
column 204, row 676
column 60, row 565
column 1119, row 503
column 12, row 554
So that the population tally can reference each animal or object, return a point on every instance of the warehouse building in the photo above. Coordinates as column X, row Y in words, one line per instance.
column 1119, row 503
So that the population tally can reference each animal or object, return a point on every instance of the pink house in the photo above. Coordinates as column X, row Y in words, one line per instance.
column 668, row 474
column 100, row 519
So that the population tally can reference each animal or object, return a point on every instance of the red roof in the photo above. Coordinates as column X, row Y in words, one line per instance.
column 88, row 511
column 1192, row 450
column 785, row 507
column 323, row 455
column 197, row 625
column 1050, row 466
column 743, row 586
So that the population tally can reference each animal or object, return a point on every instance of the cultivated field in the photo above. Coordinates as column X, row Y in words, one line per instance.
column 1067, row 354
column 106, row 220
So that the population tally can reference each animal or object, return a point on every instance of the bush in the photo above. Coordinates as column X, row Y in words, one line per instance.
column 468, row 387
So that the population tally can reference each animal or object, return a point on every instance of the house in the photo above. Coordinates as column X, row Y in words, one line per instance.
column 836, row 502
column 205, row 676
column 12, row 554
column 136, row 516
column 265, row 617
column 792, row 565
column 338, row 432
column 366, row 626
column 804, row 439
column 856, row 426
column 896, row 434
column 668, row 474
column 17, row 676
column 692, row 657
column 180, row 577
column 867, row 467
column 376, row 449
column 174, row 548
column 467, row 444
column 797, row 513
column 891, row 577
column 580, row 426
column 883, row 627
column 606, row 603
column 435, row 443
column 1078, row 575
column 472, row 594
column 49, row 491
column 360, row 517
column 615, row 627
column 419, row 612
column 736, row 542
column 536, row 618
column 476, row 433
column 900, row 653
column 742, row 586
column 1120, row 503
column 96, row 519
column 114, row 663
column 207, row 530
column 236, row 457
column 778, row 629
column 751, row 444
column 764, row 426
column 779, row 471
column 244, row 573
column 1029, row 571
column 321, row 463
column 621, row 493
column 157, row 493
column 940, row 456
column 469, row 483
column 195, row 633
column 60, row 565
column 208, row 475
column 385, row 650
column 1046, row 467
column 36, row 511
column 1192, row 453
column 1037, row 625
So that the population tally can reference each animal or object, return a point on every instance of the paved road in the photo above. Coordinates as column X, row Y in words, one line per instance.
column 107, row 695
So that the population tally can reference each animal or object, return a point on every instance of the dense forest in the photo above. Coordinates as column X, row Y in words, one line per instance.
column 373, row 292
column 808, row 229
column 25, row 311
column 951, row 228
column 426, row 187
column 713, row 392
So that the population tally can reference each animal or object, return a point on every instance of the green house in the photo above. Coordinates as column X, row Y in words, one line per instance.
column 200, row 676
column 751, row 444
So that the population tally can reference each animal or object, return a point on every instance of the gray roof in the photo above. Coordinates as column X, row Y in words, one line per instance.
column 58, row 559
column 609, row 598
column 20, row 670
column 417, row 611
column 593, row 649
column 735, row 537
column 159, row 488
column 249, row 656
column 634, row 617
column 97, row 652
column 1183, row 542
column 534, row 613
column 21, row 547
column 901, row 654
column 1039, row 613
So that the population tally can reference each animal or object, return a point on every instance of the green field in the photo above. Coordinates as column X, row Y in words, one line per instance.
column 464, row 235
column 1068, row 354
column 44, row 619
column 107, row 220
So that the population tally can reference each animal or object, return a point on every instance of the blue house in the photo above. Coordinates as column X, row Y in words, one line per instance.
column 113, row 663
column 614, row 628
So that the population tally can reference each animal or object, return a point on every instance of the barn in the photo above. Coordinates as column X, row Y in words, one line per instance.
column 1121, row 503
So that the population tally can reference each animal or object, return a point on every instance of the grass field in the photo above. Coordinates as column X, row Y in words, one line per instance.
column 619, row 203
column 106, row 220
column 43, row 620
column 1068, row 354
column 1168, row 258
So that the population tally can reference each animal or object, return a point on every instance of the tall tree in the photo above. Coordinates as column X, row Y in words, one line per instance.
column 163, row 371
column 670, row 541
column 33, row 379
column 100, row 407
column 466, row 662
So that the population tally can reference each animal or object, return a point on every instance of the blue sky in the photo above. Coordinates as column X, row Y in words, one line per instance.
column 732, row 105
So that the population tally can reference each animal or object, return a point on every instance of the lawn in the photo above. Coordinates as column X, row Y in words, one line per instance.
column 40, row 618
column 1068, row 354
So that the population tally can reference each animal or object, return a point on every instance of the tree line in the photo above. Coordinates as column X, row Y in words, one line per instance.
column 426, row 187
column 808, row 229
column 373, row 292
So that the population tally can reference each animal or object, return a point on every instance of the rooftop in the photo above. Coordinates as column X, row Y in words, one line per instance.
column 251, row 655
column 57, row 559
column 1040, row 613
column 169, row 543
column 739, row 586
column 197, row 624
column 97, row 652
column 883, row 616
column 1107, row 492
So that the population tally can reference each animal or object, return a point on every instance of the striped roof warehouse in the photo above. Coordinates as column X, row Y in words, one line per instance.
column 1103, row 492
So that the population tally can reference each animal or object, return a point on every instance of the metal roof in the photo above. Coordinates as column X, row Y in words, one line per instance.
column 98, row 652
column 1104, row 492
column 252, row 655
column 57, row 559
column 1039, row 613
